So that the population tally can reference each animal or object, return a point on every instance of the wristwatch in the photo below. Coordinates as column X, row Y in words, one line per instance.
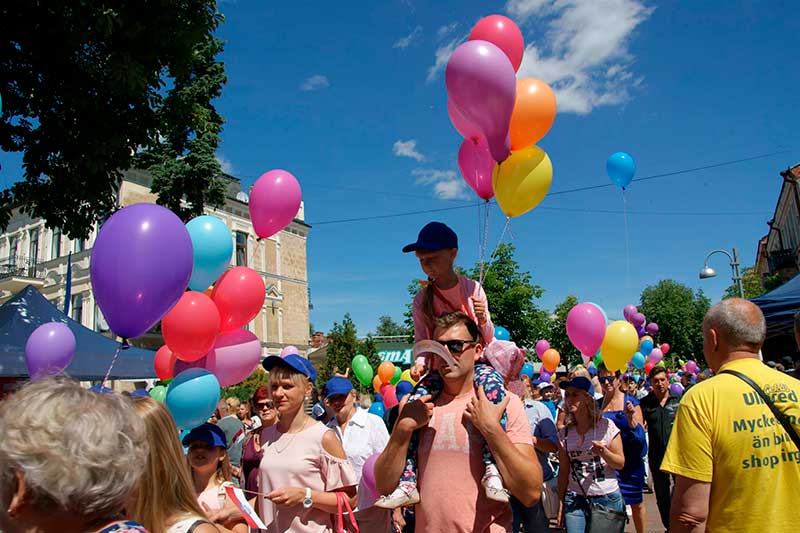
column 307, row 502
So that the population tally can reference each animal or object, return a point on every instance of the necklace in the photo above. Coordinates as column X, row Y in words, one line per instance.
column 294, row 435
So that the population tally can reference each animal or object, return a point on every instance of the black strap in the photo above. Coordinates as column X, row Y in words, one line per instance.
column 782, row 418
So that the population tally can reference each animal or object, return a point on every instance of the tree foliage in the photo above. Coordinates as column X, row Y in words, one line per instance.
column 387, row 327
column 753, row 285
column 86, row 84
column 557, row 332
column 679, row 314
column 343, row 345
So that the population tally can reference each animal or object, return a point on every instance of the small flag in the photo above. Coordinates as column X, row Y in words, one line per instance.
column 237, row 497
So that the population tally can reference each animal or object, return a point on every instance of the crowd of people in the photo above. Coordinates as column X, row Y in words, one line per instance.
column 463, row 452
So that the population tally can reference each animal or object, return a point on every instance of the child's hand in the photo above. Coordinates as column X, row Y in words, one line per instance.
column 480, row 310
column 484, row 414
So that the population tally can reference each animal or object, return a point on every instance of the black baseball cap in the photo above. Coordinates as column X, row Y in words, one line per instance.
column 433, row 237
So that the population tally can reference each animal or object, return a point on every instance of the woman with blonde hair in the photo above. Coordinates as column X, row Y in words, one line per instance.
column 591, row 449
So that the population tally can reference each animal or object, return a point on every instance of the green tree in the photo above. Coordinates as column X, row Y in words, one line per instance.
column 86, row 85
column 387, row 327
column 679, row 314
column 343, row 345
column 753, row 285
column 557, row 333
column 245, row 390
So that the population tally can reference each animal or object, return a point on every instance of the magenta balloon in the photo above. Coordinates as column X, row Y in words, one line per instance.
column 482, row 86
column 49, row 350
column 629, row 311
column 691, row 367
column 586, row 328
column 638, row 319
column 234, row 357
column 652, row 328
column 288, row 350
column 141, row 265
column 656, row 355
column 274, row 202
column 541, row 347
column 476, row 165
column 467, row 129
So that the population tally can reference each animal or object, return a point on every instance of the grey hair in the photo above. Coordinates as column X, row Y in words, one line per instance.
column 77, row 449
column 740, row 322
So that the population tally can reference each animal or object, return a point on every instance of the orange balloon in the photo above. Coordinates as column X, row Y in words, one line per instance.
column 534, row 113
column 376, row 384
column 386, row 371
column 550, row 360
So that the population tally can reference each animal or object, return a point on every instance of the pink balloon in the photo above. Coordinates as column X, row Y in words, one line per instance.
column 586, row 328
column 656, row 356
column 389, row 395
column 289, row 350
column 482, row 86
column 652, row 328
column 501, row 31
column 541, row 347
column 691, row 367
column 476, row 165
column 234, row 357
column 467, row 129
column 274, row 202
column 367, row 489
column 629, row 311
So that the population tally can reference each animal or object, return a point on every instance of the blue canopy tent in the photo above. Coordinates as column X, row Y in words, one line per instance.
column 779, row 307
column 28, row 310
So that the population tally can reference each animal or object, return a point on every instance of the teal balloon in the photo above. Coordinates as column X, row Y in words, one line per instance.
column 502, row 334
column 213, row 247
column 192, row 397
column 646, row 347
column 620, row 168
column 638, row 360
column 527, row 370
column 377, row 409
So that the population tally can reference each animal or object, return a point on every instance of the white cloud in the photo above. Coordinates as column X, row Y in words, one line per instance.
column 586, row 58
column 442, row 55
column 407, row 149
column 447, row 185
column 405, row 42
column 446, row 30
column 226, row 165
column 315, row 82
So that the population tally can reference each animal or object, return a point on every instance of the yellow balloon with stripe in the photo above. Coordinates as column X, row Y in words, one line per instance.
column 522, row 181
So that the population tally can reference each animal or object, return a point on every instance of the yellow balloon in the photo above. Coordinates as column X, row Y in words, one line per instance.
column 619, row 344
column 522, row 181
column 406, row 375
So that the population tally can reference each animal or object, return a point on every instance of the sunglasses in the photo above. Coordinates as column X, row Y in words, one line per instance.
column 606, row 379
column 457, row 346
column 265, row 405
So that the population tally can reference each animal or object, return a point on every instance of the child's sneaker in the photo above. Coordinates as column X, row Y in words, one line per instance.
column 404, row 494
column 493, row 484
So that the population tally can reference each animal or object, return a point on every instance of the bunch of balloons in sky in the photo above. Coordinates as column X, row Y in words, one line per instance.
column 500, row 117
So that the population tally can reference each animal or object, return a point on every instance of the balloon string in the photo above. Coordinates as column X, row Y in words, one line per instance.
column 484, row 243
column 502, row 234
column 113, row 360
column 627, row 237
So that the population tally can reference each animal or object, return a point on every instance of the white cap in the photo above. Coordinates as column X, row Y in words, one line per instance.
column 545, row 385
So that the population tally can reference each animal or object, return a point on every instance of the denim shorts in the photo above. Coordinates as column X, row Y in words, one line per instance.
column 576, row 508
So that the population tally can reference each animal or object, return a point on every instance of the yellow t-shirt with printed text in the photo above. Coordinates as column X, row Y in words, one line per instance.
column 726, row 435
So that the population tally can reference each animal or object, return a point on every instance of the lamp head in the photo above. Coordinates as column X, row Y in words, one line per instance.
column 707, row 272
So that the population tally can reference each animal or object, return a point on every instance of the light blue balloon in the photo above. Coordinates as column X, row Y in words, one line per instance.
column 638, row 360
column 620, row 167
column 377, row 409
column 646, row 347
column 602, row 311
column 527, row 370
column 502, row 334
column 192, row 397
column 213, row 246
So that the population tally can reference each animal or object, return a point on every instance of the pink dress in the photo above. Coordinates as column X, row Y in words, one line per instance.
column 299, row 460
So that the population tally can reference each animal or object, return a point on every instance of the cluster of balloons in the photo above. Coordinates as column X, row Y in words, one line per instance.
column 501, row 118
column 390, row 383
column 550, row 360
column 613, row 344
column 49, row 350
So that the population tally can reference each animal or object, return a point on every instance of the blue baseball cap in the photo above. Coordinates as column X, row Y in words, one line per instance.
column 210, row 434
column 434, row 236
column 293, row 361
column 337, row 385
column 579, row 382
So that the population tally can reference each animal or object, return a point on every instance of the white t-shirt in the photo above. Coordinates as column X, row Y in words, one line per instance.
column 594, row 474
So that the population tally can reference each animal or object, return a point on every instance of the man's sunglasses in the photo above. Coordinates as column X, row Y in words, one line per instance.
column 265, row 405
column 606, row 379
column 457, row 346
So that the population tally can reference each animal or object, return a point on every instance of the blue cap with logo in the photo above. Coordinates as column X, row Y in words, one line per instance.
column 210, row 434
column 433, row 237
column 338, row 385
column 296, row 362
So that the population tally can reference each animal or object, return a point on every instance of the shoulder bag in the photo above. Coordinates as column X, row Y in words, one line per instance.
column 343, row 508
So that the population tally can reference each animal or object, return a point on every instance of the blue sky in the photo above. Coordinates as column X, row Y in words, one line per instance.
column 350, row 97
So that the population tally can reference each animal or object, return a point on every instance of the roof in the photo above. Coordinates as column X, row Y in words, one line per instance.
column 28, row 310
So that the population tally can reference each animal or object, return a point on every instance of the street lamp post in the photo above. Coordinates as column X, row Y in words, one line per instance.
column 736, row 276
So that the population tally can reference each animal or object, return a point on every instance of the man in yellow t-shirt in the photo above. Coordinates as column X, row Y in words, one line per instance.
column 736, row 467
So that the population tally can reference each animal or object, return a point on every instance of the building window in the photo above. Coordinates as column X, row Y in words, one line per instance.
column 33, row 254
column 80, row 245
column 55, row 246
column 241, row 248
column 77, row 308
column 100, row 323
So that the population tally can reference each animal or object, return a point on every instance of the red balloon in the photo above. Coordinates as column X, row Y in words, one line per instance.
column 191, row 327
column 665, row 348
column 389, row 395
column 648, row 366
column 164, row 362
column 239, row 294
column 503, row 33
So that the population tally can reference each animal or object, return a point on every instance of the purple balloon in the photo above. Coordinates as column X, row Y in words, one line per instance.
column 629, row 311
column 652, row 328
column 640, row 331
column 638, row 319
column 676, row 388
column 545, row 376
column 141, row 265
column 49, row 350
column 482, row 86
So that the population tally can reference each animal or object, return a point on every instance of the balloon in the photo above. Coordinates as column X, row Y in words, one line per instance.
column 640, row 331
column 376, row 383
column 501, row 333
column 522, row 181
column 164, row 362
column 646, row 346
column 598, row 359
column 648, row 366
column 180, row 366
column 141, row 265
column 191, row 327
column 362, row 369
column 534, row 113
column 192, row 397
column 544, row 376
column 527, row 370
column 406, row 376
column 586, row 328
column 402, row 388
column 235, row 356
column 239, row 295
column 368, row 490
column 49, row 350
column 691, row 367
column 550, row 360
column 377, row 409
column 619, row 344
column 274, row 202
column 629, row 311
column 638, row 360
column 638, row 319
column 213, row 247
column 159, row 393
column 602, row 311
column 503, row 33
column 481, row 84
column 289, row 350
column 656, row 355
column 477, row 166
column 620, row 167
column 389, row 394
column 463, row 126
column 378, row 398
column 677, row 389
column 541, row 347
column 386, row 371
column 665, row 348
column 652, row 328
column 396, row 377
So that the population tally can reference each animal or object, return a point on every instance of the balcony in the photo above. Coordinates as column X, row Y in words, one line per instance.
column 781, row 259
column 18, row 271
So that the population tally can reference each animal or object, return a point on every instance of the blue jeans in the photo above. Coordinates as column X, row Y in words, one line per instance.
column 576, row 509
column 529, row 519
